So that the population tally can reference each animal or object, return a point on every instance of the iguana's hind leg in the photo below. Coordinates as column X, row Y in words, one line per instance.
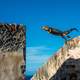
column 66, row 38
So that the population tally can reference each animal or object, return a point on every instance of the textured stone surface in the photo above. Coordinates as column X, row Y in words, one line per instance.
column 12, row 37
column 12, row 51
column 64, row 65
column 10, row 66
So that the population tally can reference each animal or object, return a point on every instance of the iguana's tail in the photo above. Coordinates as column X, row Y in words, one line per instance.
column 70, row 30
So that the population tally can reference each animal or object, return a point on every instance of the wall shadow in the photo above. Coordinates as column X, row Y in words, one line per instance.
column 70, row 70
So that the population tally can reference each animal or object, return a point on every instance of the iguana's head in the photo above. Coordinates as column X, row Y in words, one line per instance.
column 46, row 28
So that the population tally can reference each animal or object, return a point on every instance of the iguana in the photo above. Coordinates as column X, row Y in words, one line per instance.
column 57, row 32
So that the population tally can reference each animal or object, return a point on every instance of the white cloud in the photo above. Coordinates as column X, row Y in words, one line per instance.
column 36, row 56
column 37, row 50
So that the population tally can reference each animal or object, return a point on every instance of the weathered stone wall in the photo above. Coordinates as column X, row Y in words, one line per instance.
column 10, row 66
column 12, row 52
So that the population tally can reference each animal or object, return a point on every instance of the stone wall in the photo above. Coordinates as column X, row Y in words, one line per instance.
column 10, row 66
column 63, row 65
column 12, row 45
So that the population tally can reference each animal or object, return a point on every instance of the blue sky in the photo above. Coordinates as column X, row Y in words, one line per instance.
column 61, row 14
